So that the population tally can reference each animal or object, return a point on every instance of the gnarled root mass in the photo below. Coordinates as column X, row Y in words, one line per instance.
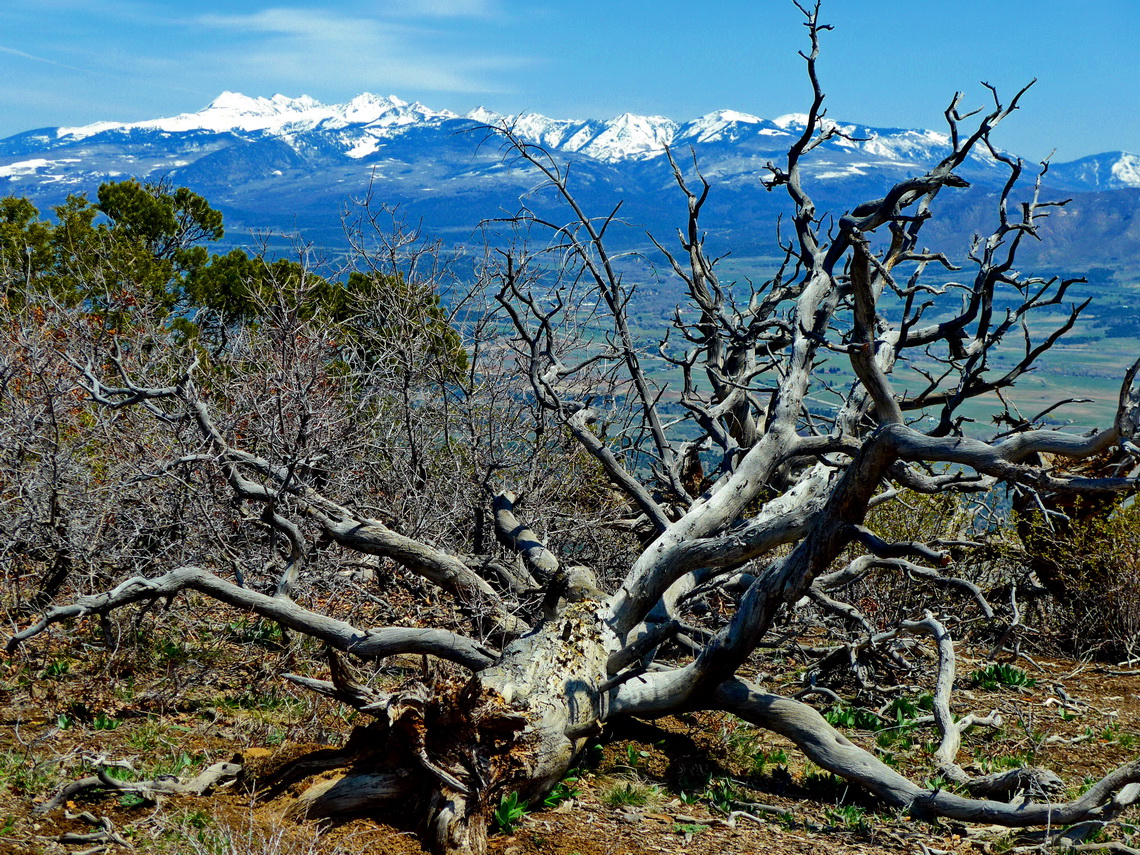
column 457, row 747
column 442, row 752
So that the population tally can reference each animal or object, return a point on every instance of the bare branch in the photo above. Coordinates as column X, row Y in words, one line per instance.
column 366, row 643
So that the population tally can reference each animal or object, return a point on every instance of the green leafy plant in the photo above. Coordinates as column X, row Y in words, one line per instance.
column 57, row 668
column 842, row 715
column 131, row 800
column 689, row 828
column 171, row 651
column 265, row 633
column 722, row 795
column 178, row 764
column 894, row 738
column 634, row 756
column 1114, row 734
column 851, row 817
column 21, row 773
column 510, row 812
column 937, row 782
column 898, row 735
column 563, row 791
column 821, row 781
column 1001, row 762
column 103, row 721
column 902, row 709
column 276, row 736
column 762, row 759
column 1004, row 843
column 198, row 818
column 1001, row 675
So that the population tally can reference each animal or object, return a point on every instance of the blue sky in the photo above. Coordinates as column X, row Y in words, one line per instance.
column 892, row 63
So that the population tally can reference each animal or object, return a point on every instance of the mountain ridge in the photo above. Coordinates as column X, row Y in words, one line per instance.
column 625, row 137
column 292, row 164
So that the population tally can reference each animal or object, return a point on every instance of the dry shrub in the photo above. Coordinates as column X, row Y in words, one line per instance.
column 888, row 595
column 1091, row 564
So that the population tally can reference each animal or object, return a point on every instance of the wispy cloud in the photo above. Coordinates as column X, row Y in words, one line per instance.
column 23, row 55
column 443, row 8
column 308, row 23
column 164, row 57
column 320, row 45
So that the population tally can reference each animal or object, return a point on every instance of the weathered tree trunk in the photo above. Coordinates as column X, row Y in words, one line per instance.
column 515, row 726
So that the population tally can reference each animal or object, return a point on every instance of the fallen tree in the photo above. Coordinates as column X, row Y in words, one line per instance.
column 762, row 496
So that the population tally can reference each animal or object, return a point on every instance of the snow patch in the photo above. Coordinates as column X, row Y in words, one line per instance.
column 365, row 146
column 791, row 120
column 840, row 173
column 720, row 125
column 551, row 133
column 630, row 136
column 30, row 167
column 1126, row 170
column 86, row 130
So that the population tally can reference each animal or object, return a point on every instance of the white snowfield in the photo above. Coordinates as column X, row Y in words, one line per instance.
column 31, row 167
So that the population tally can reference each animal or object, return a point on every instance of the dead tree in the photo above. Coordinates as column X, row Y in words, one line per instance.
column 761, row 500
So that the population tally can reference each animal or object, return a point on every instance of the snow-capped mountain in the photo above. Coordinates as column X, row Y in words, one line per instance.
column 1114, row 170
column 293, row 163
column 232, row 111
column 368, row 119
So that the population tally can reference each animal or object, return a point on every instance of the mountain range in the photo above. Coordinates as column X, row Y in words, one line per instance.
column 294, row 165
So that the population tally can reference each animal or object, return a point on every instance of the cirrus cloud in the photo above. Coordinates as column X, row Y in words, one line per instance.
column 322, row 47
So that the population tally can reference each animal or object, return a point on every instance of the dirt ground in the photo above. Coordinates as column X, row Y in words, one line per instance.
column 700, row 783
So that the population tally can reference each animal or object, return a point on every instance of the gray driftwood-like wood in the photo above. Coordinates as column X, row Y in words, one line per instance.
column 760, row 505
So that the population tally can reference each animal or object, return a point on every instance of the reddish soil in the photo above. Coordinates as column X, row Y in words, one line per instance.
column 181, row 705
